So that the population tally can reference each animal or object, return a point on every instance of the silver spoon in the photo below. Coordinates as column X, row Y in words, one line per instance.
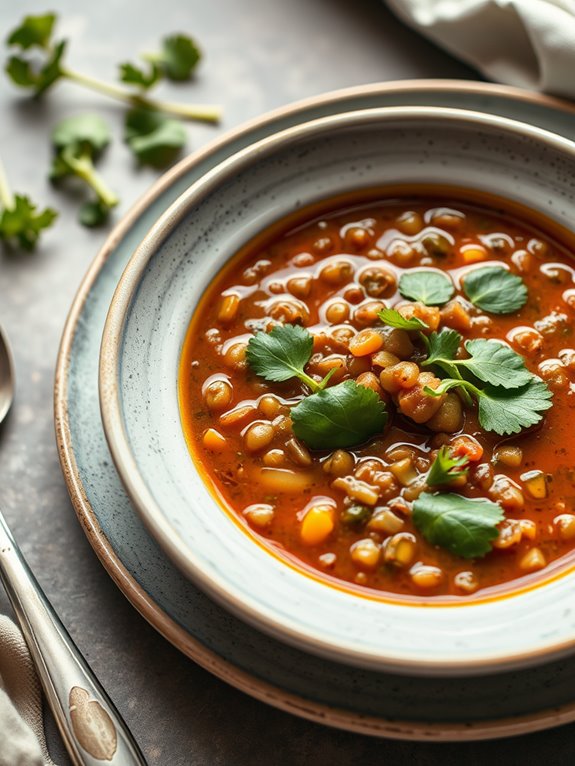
column 92, row 729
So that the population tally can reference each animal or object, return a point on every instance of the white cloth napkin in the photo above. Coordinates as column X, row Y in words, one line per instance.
column 22, row 740
column 530, row 43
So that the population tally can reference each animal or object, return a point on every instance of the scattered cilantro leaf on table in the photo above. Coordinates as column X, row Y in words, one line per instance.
column 433, row 288
column 338, row 417
column 38, row 63
column 154, row 138
column 21, row 223
column 445, row 468
column 464, row 526
column 494, row 289
column 393, row 318
column 78, row 142
column 140, row 76
column 177, row 58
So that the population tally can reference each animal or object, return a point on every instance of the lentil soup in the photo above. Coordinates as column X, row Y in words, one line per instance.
column 381, row 390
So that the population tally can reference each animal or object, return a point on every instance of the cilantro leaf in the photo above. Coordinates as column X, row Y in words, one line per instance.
column 460, row 524
column 433, row 288
column 33, row 31
column 503, row 410
column 338, row 417
column 507, row 411
column 442, row 347
column 393, row 318
column 132, row 74
column 495, row 363
column 494, row 289
column 22, row 223
column 445, row 468
column 38, row 79
column 154, row 138
column 177, row 58
column 282, row 354
column 491, row 361
column 93, row 214
column 78, row 141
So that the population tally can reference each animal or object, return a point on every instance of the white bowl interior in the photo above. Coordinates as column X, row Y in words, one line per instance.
column 210, row 223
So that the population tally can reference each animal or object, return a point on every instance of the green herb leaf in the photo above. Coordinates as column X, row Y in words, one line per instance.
column 504, row 410
column 462, row 525
column 442, row 347
column 142, row 78
column 281, row 354
column 491, row 361
column 393, row 318
column 178, row 57
column 495, row 363
column 154, row 138
column 38, row 79
column 93, row 214
column 507, row 411
column 494, row 289
column 78, row 141
column 445, row 468
column 33, row 31
column 430, row 287
column 22, row 223
column 338, row 417
column 83, row 132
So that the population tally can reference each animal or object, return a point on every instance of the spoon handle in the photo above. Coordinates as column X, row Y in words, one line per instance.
column 92, row 729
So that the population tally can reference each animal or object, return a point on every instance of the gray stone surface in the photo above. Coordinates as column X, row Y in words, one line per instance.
column 259, row 54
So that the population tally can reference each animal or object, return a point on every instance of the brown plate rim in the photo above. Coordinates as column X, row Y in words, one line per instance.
column 149, row 609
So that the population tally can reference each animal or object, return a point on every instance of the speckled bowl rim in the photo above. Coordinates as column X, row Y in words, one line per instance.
column 211, row 575
column 134, row 592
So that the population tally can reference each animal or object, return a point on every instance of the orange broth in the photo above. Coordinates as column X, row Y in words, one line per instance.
column 281, row 277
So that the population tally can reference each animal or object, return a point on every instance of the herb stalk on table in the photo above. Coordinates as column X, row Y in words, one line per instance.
column 21, row 223
column 176, row 60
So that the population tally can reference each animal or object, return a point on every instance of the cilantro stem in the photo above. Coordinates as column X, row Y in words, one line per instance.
column 198, row 112
column 84, row 168
column 6, row 196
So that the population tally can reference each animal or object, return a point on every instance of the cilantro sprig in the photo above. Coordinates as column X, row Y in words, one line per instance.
column 339, row 416
column 494, row 289
column 462, row 525
column 392, row 318
column 434, row 288
column 445, row 468
column 34, row 38
column 21, row 223
column 503, row 410
column 78, row 142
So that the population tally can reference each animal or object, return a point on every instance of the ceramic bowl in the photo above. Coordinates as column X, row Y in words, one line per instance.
column 141, row 347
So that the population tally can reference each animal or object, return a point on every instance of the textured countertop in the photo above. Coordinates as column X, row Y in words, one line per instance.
column 259, row 54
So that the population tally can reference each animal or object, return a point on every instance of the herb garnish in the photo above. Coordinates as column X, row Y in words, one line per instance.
column 503, row 410
column 282, row 354
column 176, row 60
column 393, row 318
column 490, row 360
column 462, row 525
column 20, row 222
column 430, row 287
column 494, row 289
column 340, row 416
column 154, row 138
column 78, row 142
column 445, row 468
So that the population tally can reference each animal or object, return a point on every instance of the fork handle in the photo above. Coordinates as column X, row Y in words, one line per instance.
column 91, row 727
